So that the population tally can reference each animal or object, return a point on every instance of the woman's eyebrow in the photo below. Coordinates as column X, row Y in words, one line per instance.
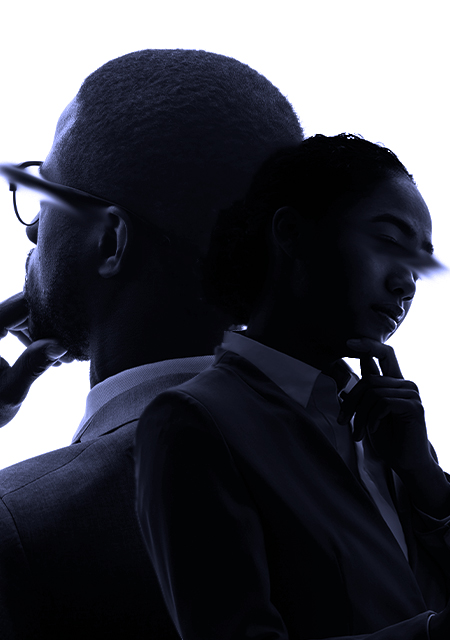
column 404, row 227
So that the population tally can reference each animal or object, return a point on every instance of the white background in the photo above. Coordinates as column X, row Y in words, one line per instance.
column 375, row 68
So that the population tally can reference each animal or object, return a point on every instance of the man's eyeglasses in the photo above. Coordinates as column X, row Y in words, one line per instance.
column 30, row 189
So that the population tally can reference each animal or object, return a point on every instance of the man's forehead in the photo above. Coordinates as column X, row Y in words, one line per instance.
column 67, row 119
column 63, row 129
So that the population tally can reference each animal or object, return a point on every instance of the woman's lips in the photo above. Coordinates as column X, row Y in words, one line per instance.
column 392, row 314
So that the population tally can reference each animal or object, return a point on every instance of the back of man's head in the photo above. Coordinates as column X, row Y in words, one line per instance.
column 174, row 135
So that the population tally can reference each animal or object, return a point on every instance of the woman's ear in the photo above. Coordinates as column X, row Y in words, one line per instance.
column 290, row 230
column 115, row 242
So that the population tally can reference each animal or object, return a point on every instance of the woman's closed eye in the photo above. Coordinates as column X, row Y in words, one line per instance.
column 390, row 239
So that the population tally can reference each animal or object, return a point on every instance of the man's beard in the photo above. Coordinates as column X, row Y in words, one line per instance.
column 58, row 313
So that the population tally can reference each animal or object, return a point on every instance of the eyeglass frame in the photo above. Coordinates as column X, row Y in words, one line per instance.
column 58, row 193
column 63, row 195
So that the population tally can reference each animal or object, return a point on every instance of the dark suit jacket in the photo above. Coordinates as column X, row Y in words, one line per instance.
column 258, row 529
column 72, row 560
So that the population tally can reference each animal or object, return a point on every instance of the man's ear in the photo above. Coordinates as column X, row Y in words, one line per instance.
column 115, row 241
column 290, row 231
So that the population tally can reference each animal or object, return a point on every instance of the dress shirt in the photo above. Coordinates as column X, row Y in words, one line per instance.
column 155, row 372
column 318, row 393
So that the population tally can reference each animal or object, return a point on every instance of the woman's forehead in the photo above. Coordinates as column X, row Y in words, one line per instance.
column 395, row 199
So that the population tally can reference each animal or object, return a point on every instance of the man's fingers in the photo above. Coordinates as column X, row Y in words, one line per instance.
column 66, row 359
column 24, row 339
column 23, row 326
column 13, row 312
column 36, row 359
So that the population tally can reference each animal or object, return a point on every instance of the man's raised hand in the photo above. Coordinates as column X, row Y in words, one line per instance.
column 16, row 380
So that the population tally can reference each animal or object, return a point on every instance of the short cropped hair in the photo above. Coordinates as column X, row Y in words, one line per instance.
column 174, row 134
column 318, row 176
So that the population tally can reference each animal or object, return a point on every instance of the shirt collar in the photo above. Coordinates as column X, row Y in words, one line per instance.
column 113, row 386
column 296, row 378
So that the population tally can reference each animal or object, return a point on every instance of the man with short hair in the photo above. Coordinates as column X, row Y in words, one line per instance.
column 270, row 511
column 155, row 143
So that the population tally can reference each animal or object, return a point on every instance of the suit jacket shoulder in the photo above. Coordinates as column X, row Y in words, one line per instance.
column 72, row 560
